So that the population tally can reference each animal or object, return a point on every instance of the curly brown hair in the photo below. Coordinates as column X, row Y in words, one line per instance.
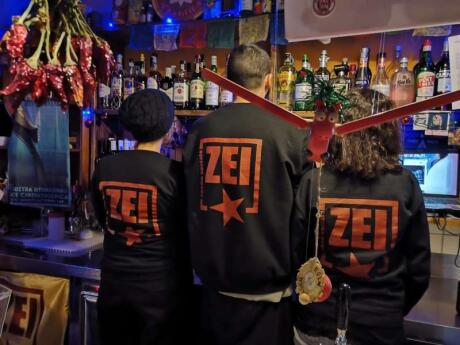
column 372, row 151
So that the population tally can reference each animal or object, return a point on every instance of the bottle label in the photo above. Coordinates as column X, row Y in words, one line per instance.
column 103, row 90
column 226, row 97
column 180, row 93
column 169, row 92
column 302, row 91
column 286, row 84
column 247, row 5
column 341, row 87
column 212, row 94
column 197, row 89
column 116, row 88
column 128, row 87
column 362, row 83
column 444, row 81
column 404, row 80
column 425, row 85
column 152, row 83
column 382, row 88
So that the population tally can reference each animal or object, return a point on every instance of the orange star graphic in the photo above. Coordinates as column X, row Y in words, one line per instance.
column 132, row 235
column 229, row 208
column 356, row 269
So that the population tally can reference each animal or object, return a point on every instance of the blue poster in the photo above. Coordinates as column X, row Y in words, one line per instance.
column 38, row 156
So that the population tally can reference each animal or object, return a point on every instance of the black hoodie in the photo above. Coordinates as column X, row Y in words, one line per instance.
column 374, row 237
column 242, row 165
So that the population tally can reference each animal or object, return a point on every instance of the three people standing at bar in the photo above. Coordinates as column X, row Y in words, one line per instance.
column 242, row 168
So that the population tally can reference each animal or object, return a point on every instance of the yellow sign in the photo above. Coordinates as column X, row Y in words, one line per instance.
column 38, row 310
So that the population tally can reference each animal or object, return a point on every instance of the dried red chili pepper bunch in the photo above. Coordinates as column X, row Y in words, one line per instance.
column 69, row 74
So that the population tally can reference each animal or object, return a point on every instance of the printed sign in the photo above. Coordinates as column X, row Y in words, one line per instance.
column 38, row 156
column 38, row 310
column 179, row 9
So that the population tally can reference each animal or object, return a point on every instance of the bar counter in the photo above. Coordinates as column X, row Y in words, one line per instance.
column 433, row 320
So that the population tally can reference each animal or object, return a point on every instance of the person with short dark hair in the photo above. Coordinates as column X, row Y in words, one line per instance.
column 373, row 232
column 242, row 165
column 139, row 200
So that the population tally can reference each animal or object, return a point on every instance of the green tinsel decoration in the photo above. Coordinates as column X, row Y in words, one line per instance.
column 326, row 96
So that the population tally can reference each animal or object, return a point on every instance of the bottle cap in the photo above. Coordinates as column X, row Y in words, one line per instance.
column 427, row 45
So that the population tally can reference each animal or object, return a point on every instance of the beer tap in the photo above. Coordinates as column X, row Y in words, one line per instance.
column 342, row 310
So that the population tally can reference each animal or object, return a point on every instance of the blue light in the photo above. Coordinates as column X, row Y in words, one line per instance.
column 168, row 20
column 110, row 25
column 88, row 114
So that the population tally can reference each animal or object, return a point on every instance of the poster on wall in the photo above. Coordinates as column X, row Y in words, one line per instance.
column 38, row 156
column 38, row 309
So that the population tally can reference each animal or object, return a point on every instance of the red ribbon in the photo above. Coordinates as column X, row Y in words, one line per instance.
column 353, row 126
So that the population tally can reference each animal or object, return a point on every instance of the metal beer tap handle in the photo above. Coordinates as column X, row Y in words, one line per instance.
column 343, row 308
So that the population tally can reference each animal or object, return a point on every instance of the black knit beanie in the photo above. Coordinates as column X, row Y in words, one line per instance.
column 147, row 114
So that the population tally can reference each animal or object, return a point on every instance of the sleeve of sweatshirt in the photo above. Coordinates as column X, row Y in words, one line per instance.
column 417, row 253
column 303, row 223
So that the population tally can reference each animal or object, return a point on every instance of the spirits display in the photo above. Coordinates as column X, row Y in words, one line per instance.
column 394, row 65
column 443, row 81
column 116, row 87
column 322, row 72
column 304, row 85
column 140, row 80
column 363, row 75
column 286, row 83
column 167, row 85
column 380, row 82
column 425, row 77
column 212, row 89
column 155, row 77
column 128, row 80
column 342, row 83
column 402, row 87
column 181, row 88
column 196, row 88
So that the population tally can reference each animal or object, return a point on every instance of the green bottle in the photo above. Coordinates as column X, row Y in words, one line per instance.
column 303, row 85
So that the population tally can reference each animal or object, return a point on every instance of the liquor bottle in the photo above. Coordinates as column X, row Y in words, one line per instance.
column 363, row 75
column 402, row 87
column 155, row 77
column 120, row 11
column 167, row 85
column 303, row 85
column 140, row 81
column 352, row 74
column 286, row 83
column 196, row 88
column 322, row 73
column 212, row 89
column 443, row 82
column 116, row 87
column 394, row 65
column 149, row 13
column 103, row 93
column 181, row 88
column 128, row 81
column 342, row 313
column 425, row 77
column 173, row 72
column 380, row 82
column 226, row 97
column 143, row 14
column 246, row 7
column 342, row 83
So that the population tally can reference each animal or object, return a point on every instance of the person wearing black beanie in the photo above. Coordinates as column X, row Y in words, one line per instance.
column 138, row 197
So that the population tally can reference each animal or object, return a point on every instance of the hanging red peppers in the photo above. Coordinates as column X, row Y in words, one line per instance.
column 43, row 75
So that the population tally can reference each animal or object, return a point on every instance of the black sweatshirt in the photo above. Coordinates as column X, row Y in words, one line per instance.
column 374, row 237
column 139, row 199
column 242, row 165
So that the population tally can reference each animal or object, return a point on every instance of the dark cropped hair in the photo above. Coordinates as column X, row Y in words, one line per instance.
column 372, row 151
column 248, row 65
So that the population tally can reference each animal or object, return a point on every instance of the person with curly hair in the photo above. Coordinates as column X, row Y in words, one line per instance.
column 373, row 232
